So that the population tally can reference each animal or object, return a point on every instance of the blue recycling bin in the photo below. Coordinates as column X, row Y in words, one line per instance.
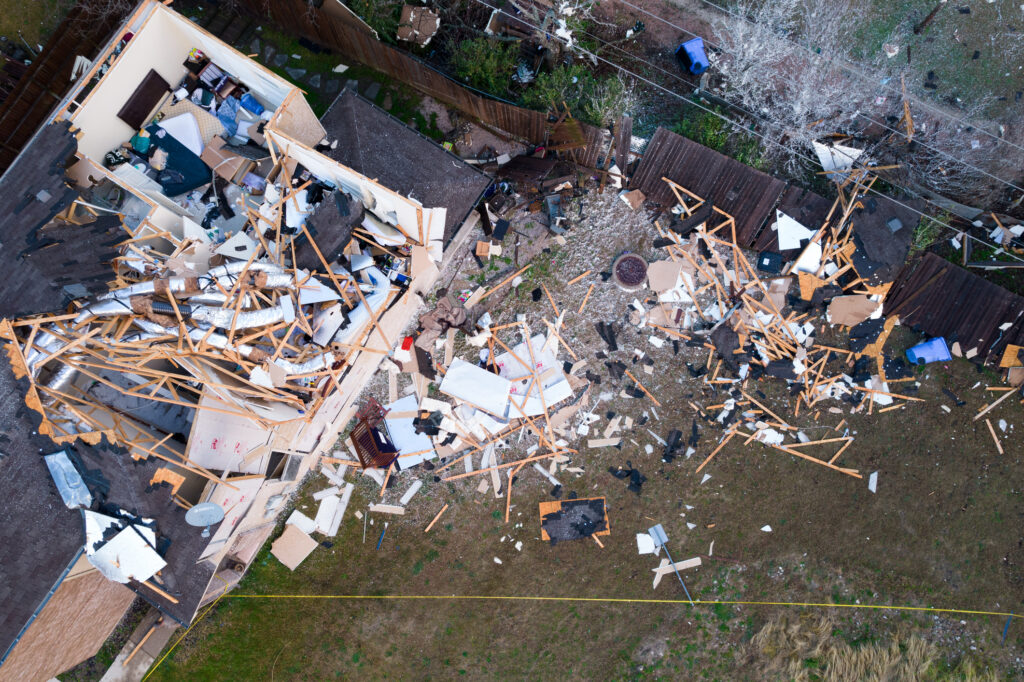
column 933, row 350
column 692, row 56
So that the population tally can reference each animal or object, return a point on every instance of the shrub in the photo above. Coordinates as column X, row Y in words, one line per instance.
column 383, row 16
column 591, row 99
column 485, row 64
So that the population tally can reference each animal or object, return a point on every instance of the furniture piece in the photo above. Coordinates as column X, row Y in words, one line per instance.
column 146, row 98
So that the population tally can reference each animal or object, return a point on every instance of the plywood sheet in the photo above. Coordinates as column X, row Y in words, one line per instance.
column 292, row 548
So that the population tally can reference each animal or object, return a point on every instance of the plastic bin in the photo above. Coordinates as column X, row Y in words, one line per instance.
column 692, row 56
column 933, row 350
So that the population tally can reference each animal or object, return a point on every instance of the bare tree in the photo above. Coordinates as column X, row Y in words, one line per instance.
column 791, row 65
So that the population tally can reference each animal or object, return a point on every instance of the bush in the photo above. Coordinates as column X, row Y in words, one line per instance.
column 715, row 132
column 704, row 128
column 486, row 64
column 591, row 99
column 383, row 16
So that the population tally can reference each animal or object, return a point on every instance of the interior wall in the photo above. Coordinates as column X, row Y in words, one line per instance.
column 384, row 200
column 269, row 88
column 298, row 121
column 161, row 45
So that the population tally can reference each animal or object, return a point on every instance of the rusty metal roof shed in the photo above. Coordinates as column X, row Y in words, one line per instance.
column 745, row 193
column 939, row 298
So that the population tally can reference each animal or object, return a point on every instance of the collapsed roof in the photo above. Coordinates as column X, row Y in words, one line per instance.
column 382, row 147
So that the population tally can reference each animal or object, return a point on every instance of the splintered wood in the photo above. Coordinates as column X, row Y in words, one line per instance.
column 237, row 329
column 754, row 333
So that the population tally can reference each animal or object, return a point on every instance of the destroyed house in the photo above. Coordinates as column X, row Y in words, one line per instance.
column 195, row 294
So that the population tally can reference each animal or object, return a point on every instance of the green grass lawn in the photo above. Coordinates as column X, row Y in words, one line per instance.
column 947, row 47
column 36, row 19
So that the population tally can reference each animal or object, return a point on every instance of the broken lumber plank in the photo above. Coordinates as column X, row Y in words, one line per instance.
column 641, row 387
column 431, row 524
column 995, row 438
column 767, row 411
column 797, row 453
column 721, row 445
column 603, row 442
column 585, row 299
column 571, row 281
column 506, row 280
column 509, row 464
column 387, row 509
column 667, row 568
column 987, row 409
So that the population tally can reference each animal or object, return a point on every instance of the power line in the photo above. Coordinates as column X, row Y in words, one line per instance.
column 752, row 115
column 859, row 114
column 766, row 139
column 840, row 63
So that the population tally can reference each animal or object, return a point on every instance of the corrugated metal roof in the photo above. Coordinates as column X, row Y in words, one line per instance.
column 939, row 298
column 745, row 193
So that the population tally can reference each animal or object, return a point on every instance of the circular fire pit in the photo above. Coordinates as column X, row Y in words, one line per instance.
column 629, row 271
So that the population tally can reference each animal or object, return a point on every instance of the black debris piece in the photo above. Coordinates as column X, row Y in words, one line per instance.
column 976, row 55
column 556, row 492
column 605, row 276
column 566, row 366
column 536, row 294
column 617, row 369
column 687, row 225
column 430, row 425
column 501, row 229
column 865, row 333
column 643, row 420
column 696, row 371
column 675, row 347
column 862, row 370
column 726, row 340
column 606, row 330
column 636, row 479
column 963, row 10
column 694, row 435
column 610, row 414
column 781, row 369
column 576, row 519
column 674, row 440
column 897, row 367
column 953, row 396
column 592, row 377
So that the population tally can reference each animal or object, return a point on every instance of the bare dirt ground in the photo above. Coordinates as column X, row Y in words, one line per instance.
column 942, row 531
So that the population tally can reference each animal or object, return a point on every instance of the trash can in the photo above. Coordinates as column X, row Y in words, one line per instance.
column 692, row 56
column 933, row 350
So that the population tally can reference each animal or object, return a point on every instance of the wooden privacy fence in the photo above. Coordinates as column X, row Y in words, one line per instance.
column 333, row 26
column 48, row 79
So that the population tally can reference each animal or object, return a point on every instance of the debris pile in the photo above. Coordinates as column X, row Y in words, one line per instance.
column 238, row 327
column 709, row 295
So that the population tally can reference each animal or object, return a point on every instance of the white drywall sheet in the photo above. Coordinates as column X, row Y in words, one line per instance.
column 478, row 387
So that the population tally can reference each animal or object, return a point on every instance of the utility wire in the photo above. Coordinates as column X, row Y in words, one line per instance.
column 841, row 63
column 766, row 139
column 752, row 115
column 858, row 114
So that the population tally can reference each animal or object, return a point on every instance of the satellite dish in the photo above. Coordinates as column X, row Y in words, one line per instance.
column 205, row 514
